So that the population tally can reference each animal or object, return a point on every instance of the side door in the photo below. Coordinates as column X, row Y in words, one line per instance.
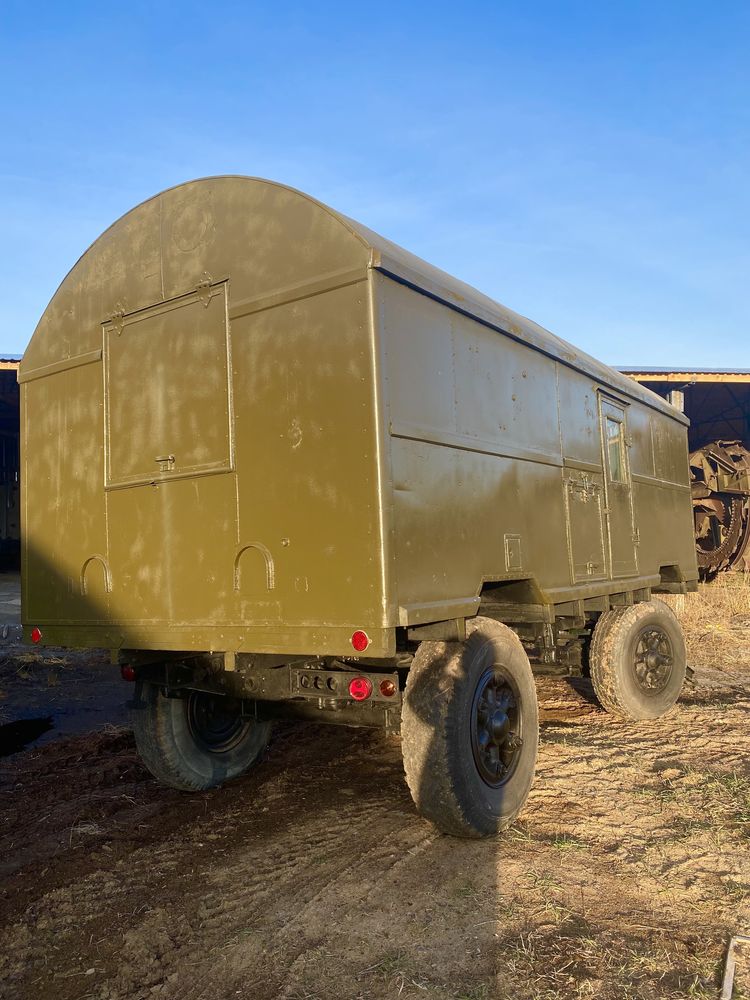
column 622, row 538
column 584, row 516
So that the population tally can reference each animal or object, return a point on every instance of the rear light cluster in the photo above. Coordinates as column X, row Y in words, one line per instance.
column 36, row 635
column 388, row 688
column 360, row 688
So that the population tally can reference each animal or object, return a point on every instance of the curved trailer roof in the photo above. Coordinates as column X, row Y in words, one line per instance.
column 270, row 238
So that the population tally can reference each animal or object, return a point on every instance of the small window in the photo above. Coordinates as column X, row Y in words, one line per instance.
column 615, row 454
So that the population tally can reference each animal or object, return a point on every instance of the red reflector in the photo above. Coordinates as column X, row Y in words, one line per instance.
column 360, row 641
column 360, row 688
column 36, row 634
column 127, row 672
column 387, row 688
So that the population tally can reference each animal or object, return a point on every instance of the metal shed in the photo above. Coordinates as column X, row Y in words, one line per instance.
column 717, row 401
column 10, row 512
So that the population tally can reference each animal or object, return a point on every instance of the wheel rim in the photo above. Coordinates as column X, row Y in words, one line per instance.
column 215, row 721
column 496, row 728
column 654, row 660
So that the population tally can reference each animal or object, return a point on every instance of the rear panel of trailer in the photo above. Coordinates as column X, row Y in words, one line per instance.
column 200, row 432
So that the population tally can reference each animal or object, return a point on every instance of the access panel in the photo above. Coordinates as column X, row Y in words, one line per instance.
column 167, row 398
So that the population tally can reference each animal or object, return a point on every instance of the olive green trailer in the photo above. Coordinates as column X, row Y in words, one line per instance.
column 280, row 466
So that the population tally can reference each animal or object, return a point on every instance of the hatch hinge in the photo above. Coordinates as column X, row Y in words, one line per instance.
column 117, row 319
column 203, row 289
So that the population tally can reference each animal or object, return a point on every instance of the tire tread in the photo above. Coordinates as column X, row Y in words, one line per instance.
column 609, row 638
column 429, row 735
column 153, row 718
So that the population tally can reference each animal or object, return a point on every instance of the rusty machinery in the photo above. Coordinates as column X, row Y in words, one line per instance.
column 720, row 483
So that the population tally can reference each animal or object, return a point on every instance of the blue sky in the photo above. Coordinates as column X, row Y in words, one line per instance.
column 587, row 164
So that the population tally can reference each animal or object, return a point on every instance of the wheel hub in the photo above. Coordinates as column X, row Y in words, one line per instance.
column 653, row 660
column 495, row 728
column 499, row 726
column 216, row 721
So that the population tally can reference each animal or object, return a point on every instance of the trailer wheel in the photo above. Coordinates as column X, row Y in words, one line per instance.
column 638, row 660
column 470, row 730
column 197, row 741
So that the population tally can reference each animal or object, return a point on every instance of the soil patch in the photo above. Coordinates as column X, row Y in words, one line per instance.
column 312, row 876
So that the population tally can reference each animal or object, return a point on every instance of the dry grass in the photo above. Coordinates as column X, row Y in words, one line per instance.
column 716, row 621
column 573, row 965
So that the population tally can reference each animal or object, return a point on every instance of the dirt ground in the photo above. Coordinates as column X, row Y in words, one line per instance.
column 312, row 877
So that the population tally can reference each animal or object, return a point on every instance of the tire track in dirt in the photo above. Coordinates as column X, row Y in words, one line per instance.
column 269, row 879
column 242, row 869
column 313, row 876
column 292, row 925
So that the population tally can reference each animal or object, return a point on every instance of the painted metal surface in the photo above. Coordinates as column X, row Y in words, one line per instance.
column 250, row 424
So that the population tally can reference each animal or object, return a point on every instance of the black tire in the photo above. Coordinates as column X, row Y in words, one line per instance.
column 451, row 746
column 197, row 741
column 638, row 660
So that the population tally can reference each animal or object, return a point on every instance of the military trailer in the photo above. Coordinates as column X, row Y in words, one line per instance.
column 282, row 467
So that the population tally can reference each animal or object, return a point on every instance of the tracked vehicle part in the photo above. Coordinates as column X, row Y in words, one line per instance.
column 720, row 484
